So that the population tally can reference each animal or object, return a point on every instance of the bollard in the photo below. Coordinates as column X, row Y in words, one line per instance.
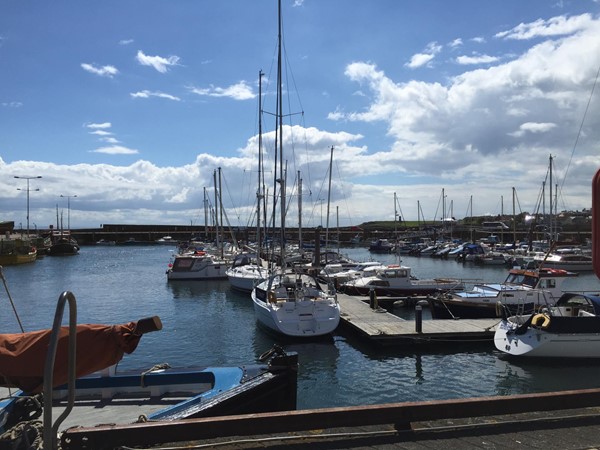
column 419, row 318
column 372, row 298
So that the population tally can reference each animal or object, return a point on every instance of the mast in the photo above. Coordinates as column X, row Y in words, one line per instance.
column 279, row 134
column 216, row 210
column 205, row 214
column 259, row 189
column 551, row 207
column 328, row 203
column 514, row 194
column 300, row 213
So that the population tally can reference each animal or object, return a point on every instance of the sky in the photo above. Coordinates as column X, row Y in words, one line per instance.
column 126, row 109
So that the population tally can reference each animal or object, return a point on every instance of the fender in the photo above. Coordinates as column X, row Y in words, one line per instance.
column 596, row 222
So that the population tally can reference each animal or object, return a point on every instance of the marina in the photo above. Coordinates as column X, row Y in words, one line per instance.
column 369, row 359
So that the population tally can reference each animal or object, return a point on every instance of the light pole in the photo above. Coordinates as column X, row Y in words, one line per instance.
column 27, row 178
column 68, row 197
column 321, row 200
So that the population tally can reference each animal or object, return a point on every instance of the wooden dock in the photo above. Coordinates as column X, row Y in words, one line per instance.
column 384, row 328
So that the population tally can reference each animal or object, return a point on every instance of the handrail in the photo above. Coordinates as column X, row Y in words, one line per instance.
column 50, row 430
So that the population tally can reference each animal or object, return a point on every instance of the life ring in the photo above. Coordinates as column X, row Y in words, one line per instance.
column 541, row 320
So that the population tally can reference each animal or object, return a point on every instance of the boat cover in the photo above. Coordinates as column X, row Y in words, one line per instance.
column 23, row 355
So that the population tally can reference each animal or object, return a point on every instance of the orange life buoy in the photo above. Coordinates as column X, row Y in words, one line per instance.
column 541, row 320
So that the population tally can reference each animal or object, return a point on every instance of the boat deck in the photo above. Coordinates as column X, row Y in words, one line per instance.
column 92, row 412
column 381, row 327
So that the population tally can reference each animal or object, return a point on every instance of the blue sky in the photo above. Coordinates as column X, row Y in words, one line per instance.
column 132, row 105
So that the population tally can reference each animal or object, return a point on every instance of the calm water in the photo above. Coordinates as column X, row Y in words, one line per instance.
column 207, row 323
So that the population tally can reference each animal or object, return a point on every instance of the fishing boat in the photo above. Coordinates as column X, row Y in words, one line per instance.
column 63, row 244
column 522, row 292
column 397, row 280
column 72, row 371
column 569, row 329
column 16, row 251
column 295, row 304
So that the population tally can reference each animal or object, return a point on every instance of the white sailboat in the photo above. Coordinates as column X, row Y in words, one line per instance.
column 291, row 303
column 247, row 269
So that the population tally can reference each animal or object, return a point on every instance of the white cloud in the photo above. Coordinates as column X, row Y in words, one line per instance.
column 160, row 63
column 238, row 91
column 456, row 43
column 476, row 59
column 101, row 133
column 12, row 104
column 532, row 127
column 126, row 41
column 103, row 125
column 422, row 59
column 466, row 128
column 556, row 26
column 115, row 150
column 104, row 71
column 148, row 94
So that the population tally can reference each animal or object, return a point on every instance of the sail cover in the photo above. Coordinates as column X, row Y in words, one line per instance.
column 23, row 355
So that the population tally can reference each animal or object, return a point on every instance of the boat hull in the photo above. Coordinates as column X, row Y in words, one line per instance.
column 544, row 344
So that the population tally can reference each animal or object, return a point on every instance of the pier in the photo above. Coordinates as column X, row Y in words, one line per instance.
column 381, row 327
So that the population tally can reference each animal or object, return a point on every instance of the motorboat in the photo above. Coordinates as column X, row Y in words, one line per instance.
column 571, row 260
column 381, row 246
column 358, row 269
column 522, row 292
column 569, row 329
column 491, row 259
column 166, row 240
column 296, row 304
column 71, row 371
column 397, row 280
column 246, row 271
column 196, row 265
column 106, row 243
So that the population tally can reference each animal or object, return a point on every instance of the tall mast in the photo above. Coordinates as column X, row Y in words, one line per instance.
column 328, row 203
column 279, row 134
column 205, row 215
column 300, row 213
column 216, row 209
column 551, row 207
column 259, row 189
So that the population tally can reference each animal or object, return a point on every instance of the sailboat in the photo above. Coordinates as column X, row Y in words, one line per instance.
column 247, row 269
column 290, row 302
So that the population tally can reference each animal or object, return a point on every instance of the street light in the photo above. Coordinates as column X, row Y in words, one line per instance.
column 321, row 200
column 27, row 178
column 68, row 197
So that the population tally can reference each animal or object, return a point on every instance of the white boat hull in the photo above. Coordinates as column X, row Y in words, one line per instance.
column 305, row 318
column 295, row 305
column 540, row 343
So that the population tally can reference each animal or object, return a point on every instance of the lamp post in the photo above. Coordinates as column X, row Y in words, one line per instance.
column 321, row 200
column 27, row 178
column 68, row 197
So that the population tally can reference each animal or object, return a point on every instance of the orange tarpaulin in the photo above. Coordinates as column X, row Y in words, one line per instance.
column 23, row 355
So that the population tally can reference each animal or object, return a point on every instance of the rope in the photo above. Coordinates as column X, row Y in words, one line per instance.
column 10, row 299
column 161, row 366
column 24, row 435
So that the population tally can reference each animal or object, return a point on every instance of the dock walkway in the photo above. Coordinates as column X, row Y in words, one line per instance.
column 382, row 327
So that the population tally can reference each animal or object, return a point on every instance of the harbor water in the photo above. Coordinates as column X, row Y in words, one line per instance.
column 208, row 323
